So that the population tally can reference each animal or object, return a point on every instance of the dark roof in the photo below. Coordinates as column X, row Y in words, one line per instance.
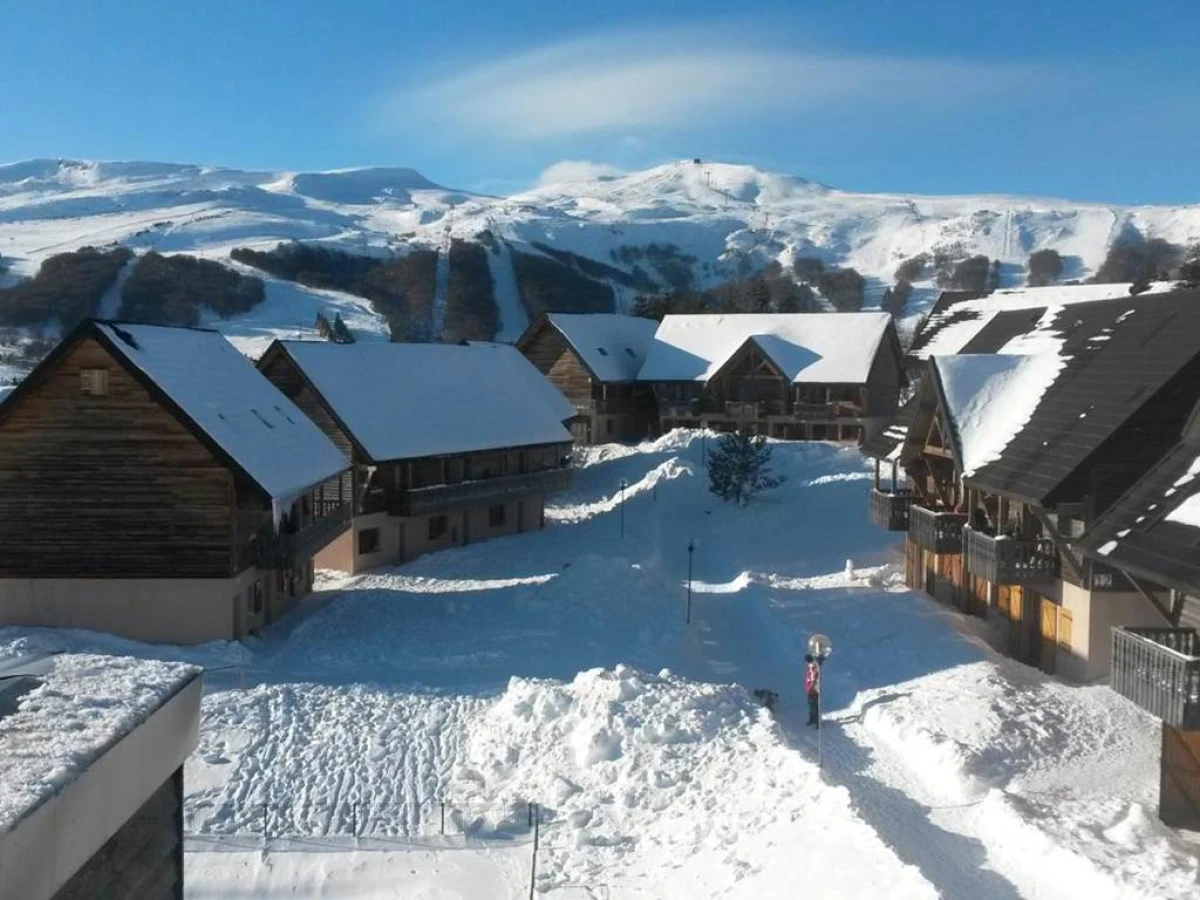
column 1134, row 533
column 882, row 444
column 1118, row 354
column 1002, row 328
column 940, row 316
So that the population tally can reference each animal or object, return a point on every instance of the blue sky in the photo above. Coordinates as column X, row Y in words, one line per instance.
column 1088, row 100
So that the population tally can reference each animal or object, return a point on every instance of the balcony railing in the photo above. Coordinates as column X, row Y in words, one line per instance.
column 738, row 409
column 290, row 547
column 1159, row 670
column 890, row 509
column 1011, row 560
column 440, row 497
column 938, row 532
column 681, row 409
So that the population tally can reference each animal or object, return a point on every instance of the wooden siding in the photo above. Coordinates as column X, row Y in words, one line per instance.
column 554, row 357
column 883, row 382
column 108, row 486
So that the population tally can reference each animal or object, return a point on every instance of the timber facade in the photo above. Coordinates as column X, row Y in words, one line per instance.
column 118, row 513
column 779, row 381
column 402, row 508
column 1008, row 541
column 596, row 369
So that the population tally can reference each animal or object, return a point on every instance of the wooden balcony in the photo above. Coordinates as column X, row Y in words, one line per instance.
column 484, row 492
column 681, row 409
column 936, row 531
column 889, row 509
column 1011, row 560
column 743, row 410
column 1159, row 670
column 291, row 547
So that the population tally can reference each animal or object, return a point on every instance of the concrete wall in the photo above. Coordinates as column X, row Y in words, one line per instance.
column 165, row 610
column 1094, row 615
column 405, row 538
column 45, row 848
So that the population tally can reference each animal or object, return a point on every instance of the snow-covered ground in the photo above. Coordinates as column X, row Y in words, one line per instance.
column 389, row 739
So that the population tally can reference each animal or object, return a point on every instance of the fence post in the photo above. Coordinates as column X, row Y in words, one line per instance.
column 529, row 807
column 537, row 820
column 443, row 818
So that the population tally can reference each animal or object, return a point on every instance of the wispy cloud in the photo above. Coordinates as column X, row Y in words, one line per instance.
column 574, row 170
column 617, row 83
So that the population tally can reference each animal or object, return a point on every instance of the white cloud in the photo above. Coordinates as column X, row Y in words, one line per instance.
column 619, row 83
column 574, row 170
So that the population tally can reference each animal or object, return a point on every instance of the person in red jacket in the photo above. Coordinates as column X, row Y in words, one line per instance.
column 812, row 687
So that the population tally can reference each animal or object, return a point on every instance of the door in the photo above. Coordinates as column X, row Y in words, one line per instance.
column 1016, row 603
column 1048, row 654
column 913, row 563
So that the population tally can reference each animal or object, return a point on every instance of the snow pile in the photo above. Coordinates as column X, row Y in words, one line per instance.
column 577, row 512
column 82, row 704
column 990, row 398
column 682, row 788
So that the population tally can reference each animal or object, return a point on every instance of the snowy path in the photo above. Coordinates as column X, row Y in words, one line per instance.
column 110, row 302
column 514, row 318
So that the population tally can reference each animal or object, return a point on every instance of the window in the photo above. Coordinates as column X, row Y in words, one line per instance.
column 496, row 516
column 93, row 382
column 368, row 541
column 602, row 351
column 437, row 527
column 256, row 598
column 631, row 353
column 1065, row 624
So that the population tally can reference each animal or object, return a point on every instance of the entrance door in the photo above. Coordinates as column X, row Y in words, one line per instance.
column 1048, row 654
column 1016, row 604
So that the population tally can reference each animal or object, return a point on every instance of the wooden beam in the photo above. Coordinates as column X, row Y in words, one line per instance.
column 1149, row 596
column 1065, row 554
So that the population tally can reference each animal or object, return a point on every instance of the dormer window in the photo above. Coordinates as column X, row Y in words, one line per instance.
column 93, row 382
column 602, row 351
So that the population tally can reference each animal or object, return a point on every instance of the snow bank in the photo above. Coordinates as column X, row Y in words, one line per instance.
column 682, row 788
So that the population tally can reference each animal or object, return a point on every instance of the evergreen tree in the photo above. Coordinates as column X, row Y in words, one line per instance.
column 738, row 469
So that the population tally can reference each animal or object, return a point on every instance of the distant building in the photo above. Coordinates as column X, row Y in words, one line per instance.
column 448, row 444
column 594, row 360
column 797, row 376
column 91, row 776
column 153, row 484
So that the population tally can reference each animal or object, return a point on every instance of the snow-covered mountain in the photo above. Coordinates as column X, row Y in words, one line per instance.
column 716, row 220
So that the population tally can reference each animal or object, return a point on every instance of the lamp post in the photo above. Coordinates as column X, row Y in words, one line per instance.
column 623, row 485
column 691, row 550
column 819, row 648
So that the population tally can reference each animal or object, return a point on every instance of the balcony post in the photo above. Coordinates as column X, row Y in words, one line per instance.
column 893, row 474
column 877, row 476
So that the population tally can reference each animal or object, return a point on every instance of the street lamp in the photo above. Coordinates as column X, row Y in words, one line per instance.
column 819, row 648
column 691, row 550
column 624, row 484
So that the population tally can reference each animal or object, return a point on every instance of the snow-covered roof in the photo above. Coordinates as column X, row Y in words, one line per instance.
column 78, row 707
column 266, row 434
column 403, row 401
column 611, row 345
column 809, row 348
column 990, row 397
column 952, row 326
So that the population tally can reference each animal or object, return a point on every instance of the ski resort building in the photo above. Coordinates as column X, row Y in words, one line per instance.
column 1152, row 535
column 593, row 359
column 1011, row 459
column 91, row 776
column 153, row 484
column 797, row 376
column 447, row 444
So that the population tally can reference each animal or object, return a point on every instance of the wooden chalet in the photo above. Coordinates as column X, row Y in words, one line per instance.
column 593, row 359
column 1010, row 459
column 447, row 444
column 797, row 376
column 1152, row 535
column 153, row 484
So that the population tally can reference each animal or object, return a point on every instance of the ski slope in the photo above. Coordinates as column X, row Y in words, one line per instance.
column 729, row 218
column 556, row 668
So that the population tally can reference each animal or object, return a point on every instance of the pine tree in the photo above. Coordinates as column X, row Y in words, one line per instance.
column 738, row 469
